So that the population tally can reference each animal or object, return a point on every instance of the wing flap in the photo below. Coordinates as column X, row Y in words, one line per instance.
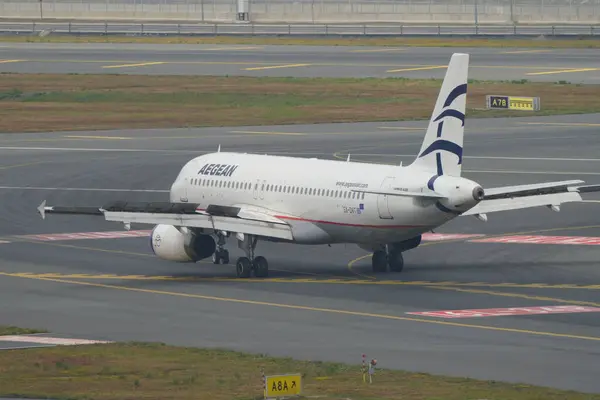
column 230, row 219
column 507, row 204
column 222, row 223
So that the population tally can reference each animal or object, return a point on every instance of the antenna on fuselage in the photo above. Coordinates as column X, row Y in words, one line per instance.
column 348, row 159
column 219, row 149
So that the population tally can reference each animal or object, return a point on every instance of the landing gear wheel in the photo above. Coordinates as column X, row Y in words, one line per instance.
column 261, row 267
column 379, row 261
column 396, row 261
column 221, row 257
column 243, row 267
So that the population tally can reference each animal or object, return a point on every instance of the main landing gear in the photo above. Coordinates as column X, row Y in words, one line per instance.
column 244, row 266
column 387, row 257
column 221, row 256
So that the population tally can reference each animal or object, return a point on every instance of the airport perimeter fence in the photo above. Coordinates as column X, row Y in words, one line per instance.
column 469, row 12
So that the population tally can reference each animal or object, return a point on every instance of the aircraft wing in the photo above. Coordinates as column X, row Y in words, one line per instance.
column 229, row 219
column 550, row 194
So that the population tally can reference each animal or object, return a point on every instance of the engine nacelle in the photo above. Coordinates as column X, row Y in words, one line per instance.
column 169, row 243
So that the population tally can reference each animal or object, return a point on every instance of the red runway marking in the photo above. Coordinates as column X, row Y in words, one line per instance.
column 88, row 235
column 498, row 312
column 448, row 236
column 534, row 239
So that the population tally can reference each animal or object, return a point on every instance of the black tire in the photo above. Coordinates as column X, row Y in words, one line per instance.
column 396, row 261
column 379, row 261
column 243, row 267
column 216, row 257
column 261, row 267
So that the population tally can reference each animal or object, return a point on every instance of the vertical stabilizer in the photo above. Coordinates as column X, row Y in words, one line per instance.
column 442, row 149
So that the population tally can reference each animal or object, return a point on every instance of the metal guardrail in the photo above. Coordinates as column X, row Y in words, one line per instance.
column 312, row 11
column 200, row 29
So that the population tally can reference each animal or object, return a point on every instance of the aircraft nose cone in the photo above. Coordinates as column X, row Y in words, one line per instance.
column 478, row 193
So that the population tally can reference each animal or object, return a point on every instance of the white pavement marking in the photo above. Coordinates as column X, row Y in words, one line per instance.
column 49, row 340
column 499, row 171
column 488, row 157
column 97, row 149
column 84, row 189
column 498, row 312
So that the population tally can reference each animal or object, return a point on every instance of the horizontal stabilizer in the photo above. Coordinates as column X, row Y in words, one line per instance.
column 530, row 190
column 429, row 194
column 517, row 203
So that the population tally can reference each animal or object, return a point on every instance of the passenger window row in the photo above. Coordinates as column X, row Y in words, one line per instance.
column 236, row 185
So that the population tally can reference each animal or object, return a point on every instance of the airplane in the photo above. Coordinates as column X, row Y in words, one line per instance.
column 383, row 209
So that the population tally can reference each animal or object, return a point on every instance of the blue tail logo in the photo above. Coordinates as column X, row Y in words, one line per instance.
column 441, row 144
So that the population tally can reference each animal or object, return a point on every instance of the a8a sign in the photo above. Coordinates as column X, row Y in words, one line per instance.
column 283, row 385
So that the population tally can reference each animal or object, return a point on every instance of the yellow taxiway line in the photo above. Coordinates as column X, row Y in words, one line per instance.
column 378, row 50
column 134, row 65
column 277, row 66
column 563, row 71
column 270, row 133
column 525, row 51
column 97, row 137
column 560, row 124
column 418, row 68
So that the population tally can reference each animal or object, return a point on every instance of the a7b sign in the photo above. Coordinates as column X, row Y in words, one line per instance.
column 499, row 102
column 283, row 385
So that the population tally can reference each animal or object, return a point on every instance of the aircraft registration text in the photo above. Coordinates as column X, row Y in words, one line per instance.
column 353, row 210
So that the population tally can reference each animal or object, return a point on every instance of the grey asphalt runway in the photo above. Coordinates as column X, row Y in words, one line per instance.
column 550, row 65
column 319, row 302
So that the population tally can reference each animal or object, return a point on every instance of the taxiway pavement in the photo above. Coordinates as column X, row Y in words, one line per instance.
column 573, row 65
column 319, row 302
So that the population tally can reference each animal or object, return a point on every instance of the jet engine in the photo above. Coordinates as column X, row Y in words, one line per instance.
column 170, row 243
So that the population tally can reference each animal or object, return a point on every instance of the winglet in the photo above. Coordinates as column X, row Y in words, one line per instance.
column 42, row 209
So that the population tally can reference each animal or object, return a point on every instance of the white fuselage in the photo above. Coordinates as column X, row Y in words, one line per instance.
column 314, row 196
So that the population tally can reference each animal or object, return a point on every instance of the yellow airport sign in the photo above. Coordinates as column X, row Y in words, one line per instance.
column 283, row 385
column 513, row 103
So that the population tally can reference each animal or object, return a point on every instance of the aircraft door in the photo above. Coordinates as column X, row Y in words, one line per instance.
column 262, row 189
column 256, row 189
column 183, row 196
column 382, row 199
